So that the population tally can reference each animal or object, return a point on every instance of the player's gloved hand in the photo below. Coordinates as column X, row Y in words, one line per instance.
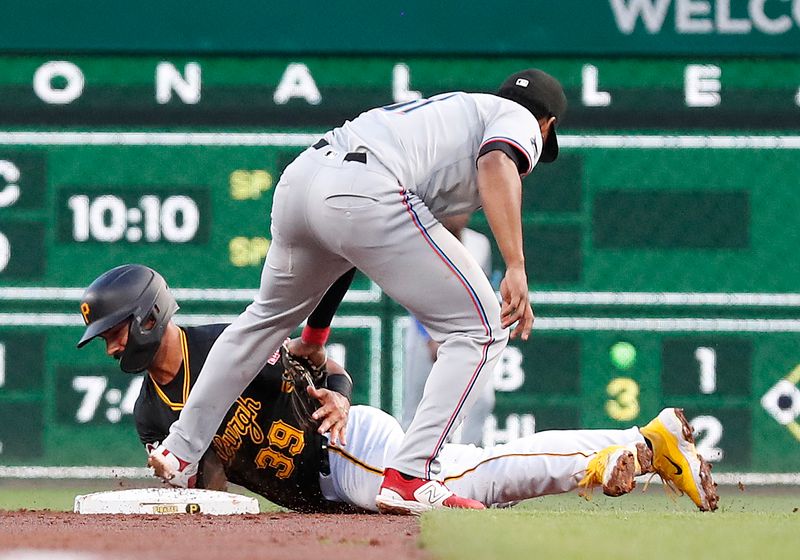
column 332, row 415
column 314, row 353
column 516, row 306
column 171, row 469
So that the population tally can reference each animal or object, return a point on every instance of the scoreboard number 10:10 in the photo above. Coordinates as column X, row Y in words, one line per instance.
column 107, row 218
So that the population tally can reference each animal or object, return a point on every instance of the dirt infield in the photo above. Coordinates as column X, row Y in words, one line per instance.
column 58, row 535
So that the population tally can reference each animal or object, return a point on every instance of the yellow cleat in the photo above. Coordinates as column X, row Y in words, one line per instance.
column 613, row 468
column 676, row 460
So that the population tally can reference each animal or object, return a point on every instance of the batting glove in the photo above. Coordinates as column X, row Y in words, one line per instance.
column 172, row 469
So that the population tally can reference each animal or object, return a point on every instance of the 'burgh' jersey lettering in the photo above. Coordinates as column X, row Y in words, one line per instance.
column 431, row 145
column 259, row 442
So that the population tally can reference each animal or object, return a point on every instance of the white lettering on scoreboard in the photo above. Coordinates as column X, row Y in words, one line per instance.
column 707, row 17
column 187, row 85
column 515, row 426
column 62, row 82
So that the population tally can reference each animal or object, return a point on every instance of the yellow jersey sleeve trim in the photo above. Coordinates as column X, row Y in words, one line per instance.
column 186, row 369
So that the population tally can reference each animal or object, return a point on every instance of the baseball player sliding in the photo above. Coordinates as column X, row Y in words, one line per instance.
column 310, row 457
column 369, row 194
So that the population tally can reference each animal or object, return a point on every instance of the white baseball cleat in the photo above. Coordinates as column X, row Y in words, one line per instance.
column 172, row 469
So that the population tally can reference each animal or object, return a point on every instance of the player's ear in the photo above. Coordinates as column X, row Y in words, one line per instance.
column 546, row 124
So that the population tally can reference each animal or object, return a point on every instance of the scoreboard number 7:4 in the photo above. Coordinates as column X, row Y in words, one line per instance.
column 95, row 390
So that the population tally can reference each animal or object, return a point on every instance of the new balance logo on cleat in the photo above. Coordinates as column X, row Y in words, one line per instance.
column 432, row 492
column 402, row 495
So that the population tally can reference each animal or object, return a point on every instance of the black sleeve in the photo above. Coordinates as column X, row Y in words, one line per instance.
column 322, row 316
column 520, row 159
column 148, row 424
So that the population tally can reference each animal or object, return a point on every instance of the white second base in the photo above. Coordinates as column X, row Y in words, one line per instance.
column 165, row 501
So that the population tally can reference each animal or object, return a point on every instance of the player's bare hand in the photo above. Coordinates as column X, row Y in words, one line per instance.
column 313, row 352
column 516, row 305
column 332, row 415
column 433, row 349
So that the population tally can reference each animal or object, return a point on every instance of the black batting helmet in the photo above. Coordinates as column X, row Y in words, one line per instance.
column 133, row 292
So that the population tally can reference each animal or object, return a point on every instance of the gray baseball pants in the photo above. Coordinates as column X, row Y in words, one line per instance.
column 331, row 213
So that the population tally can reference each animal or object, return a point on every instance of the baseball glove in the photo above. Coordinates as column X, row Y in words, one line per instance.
column 301, row 374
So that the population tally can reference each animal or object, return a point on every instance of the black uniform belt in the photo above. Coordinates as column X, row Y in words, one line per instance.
column 360, row 157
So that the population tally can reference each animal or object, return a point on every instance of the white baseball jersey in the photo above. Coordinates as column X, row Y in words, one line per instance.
column 431, row 145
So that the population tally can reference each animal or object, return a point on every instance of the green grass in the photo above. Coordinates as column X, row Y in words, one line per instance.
column 47, row 496
column 748, row 525
column 758, row 524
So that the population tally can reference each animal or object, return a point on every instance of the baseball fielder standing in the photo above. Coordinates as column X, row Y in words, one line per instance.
column 370, row 194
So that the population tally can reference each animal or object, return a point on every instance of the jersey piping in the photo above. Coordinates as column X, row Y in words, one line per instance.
column 186, row 378
column 506, row 456
column 342, row 453
column 481, row 314
column 517, row 146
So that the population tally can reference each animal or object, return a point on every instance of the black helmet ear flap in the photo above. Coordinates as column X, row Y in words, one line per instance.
column 146, row 332
column 134, row 291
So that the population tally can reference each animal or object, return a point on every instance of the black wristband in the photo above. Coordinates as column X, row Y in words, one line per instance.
column 341, row 383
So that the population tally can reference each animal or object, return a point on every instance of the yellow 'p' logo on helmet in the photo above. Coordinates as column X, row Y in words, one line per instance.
column 85, row 312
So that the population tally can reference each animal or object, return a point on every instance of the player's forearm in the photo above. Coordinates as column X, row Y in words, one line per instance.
column 319, row 322
column 338, row 379
column 500, row 189
column 212, row 474
column 323, row 314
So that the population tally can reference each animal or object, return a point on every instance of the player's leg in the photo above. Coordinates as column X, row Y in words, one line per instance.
column 472, row 428
column 390, row 235
column 426, row 269
column 357, row 468
column 543, row 463
column 243, row 348
column 431, row 273
column 417, row 364
column 296, row 273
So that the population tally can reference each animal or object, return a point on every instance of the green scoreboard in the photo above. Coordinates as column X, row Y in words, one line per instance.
column 662, row 247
